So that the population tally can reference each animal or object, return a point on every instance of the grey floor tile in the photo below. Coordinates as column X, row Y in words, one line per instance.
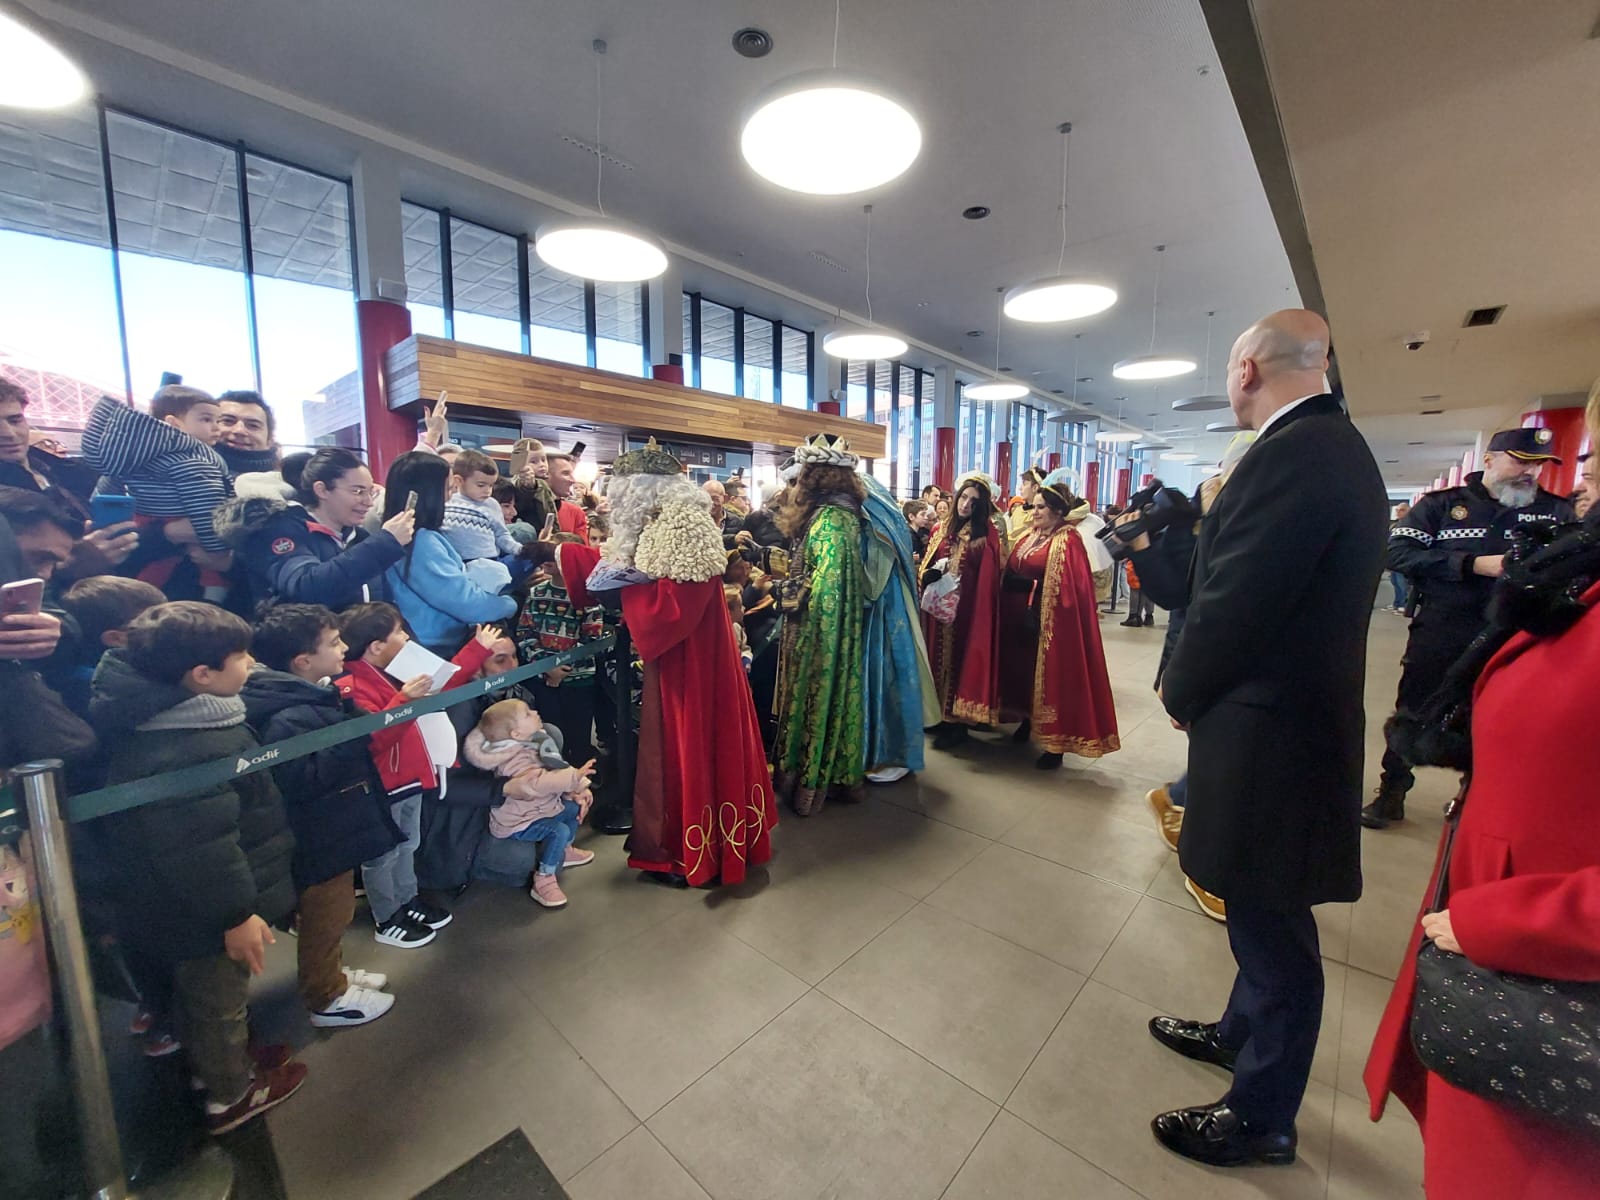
column 1374, row 1160
column 966, row 1000
column 807, row 921
column 1101, row 1078
column 1014, row 1161
column 821, row 1104
column 881, row 842
column 983, row 791
column 1365, row 997
column 656, row 1012
column 1089, row 835
column 1065, row 915
column 638, row 1165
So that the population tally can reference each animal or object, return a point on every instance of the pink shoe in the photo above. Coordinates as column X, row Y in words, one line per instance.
column 547, row 892
column 577, row 858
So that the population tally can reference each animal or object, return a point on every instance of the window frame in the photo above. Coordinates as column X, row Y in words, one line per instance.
column 739, row 335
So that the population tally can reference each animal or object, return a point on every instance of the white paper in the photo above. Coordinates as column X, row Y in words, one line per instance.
column 414, row 660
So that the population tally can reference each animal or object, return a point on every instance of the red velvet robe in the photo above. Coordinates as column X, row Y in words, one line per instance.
column 965, row 655
column 703, row 804
column 1052, row 665
column 1524, row 896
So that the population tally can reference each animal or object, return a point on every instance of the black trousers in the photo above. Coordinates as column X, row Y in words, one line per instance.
column 1430, row 651
column 1274, row 1014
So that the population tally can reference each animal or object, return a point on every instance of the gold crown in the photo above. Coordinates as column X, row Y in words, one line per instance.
column 649, row 459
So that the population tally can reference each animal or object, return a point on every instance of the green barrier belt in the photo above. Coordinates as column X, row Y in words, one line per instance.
column 123, row 796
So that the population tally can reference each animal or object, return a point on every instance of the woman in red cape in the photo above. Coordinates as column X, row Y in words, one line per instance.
column 1524, row 896
column 965, row 654
column 1052, row 666
column 703, row 803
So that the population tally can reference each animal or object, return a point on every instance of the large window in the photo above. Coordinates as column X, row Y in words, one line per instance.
column 557, row 325
column 856, row 403
column 742, row 354
column 757, row 373
column 235, row 272
column 925, row 409
column 484, row 303
column 619, row 328
column 60, row 335
column 718, row 368
column 424, row 251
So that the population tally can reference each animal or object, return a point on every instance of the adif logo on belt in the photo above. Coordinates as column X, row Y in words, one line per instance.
column 389, row 718
column 244, row 764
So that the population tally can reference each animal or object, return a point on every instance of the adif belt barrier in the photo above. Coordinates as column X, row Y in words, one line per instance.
column 123, row 796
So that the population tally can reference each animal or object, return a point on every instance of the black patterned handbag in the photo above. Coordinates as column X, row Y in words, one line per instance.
column 1531, row 1044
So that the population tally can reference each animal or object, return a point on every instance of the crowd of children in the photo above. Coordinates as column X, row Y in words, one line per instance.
column 238, row 606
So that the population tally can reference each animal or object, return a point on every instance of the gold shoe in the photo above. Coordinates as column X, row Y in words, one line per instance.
column 1212, row 906
column 1169, row 820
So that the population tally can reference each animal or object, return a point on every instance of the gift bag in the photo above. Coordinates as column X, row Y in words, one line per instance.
column 941, row 598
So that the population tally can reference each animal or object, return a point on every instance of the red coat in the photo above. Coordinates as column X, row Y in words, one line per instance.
column 398, row 751
column 570, row 518
column 1524, row 896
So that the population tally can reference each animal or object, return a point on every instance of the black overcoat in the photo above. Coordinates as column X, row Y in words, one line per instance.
column 1270, row 670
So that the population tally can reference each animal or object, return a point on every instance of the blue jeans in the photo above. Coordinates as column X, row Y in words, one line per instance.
column 391, row 878
column 1398, row 582
column 1178, row 792
column 556, row 833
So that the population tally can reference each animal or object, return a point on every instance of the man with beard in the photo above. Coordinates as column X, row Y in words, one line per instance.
column 1450, row 548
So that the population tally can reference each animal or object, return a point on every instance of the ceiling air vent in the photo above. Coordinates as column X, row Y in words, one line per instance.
column 611, row 159
column 818, row 256
column 753, row 43
column 1483, row 316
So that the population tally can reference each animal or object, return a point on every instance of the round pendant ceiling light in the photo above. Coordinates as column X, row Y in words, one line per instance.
column 600, row 249
column 864, row 343
column 1116, row 436
column 1060, row 297
column 829, row 133
column 1222, row 427
column 996, row 390
column 37, row 75
column 1180, row 456
column 1152, row 365
column 1207, row 401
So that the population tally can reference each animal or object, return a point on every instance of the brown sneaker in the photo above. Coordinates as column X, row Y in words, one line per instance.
column 547, row 892
column 267, row 1089
column 1213, row 906
column 1169, row 820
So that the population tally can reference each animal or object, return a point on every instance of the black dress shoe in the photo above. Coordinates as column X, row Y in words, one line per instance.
column 1022, row 731
column 1215, row 1135
column 951, row 735
column 1193, row 1039
column 1047, row 762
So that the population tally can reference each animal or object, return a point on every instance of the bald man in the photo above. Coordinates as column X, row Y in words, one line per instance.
column 1268, row 676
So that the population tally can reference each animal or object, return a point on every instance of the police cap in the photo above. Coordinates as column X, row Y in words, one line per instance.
column 1528, row 445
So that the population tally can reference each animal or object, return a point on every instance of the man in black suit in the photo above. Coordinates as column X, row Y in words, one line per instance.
column 1268, row 676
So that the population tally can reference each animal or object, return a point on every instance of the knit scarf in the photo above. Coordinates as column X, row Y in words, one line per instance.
column 199, row 712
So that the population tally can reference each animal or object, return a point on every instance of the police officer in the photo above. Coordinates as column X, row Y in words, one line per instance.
column 1450, row 549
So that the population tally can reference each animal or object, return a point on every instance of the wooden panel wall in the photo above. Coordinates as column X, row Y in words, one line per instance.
column 477, row 377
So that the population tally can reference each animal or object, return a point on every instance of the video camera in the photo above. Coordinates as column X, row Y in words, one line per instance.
column 1158, row 507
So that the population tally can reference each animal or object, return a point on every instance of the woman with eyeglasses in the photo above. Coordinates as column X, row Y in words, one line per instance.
column 1052, row 666
column 313, row 549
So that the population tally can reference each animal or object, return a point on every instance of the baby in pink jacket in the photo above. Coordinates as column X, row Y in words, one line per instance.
column 545, row 798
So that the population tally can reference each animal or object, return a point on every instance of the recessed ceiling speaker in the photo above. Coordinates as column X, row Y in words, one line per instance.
column 753, row 43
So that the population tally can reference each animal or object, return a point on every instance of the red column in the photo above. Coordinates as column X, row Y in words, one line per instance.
column 944, row 457
column 1454, row 478
column 831, row 407
column 1091, row 483
column 1144, row 480
column 1053, row 463
column 1124, row 482
column 1002, row 467
column 1566, row 424
column 379, row 325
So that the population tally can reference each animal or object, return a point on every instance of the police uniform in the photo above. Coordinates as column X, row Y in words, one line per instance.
column 1434, row 548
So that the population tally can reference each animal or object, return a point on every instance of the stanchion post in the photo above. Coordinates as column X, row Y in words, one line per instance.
column 91, row 1085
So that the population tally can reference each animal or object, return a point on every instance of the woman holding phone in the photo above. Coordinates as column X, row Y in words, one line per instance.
column 313, row 549
column 429, row 583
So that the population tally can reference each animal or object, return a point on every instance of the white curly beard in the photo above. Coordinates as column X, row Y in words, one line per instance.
column 662, row 525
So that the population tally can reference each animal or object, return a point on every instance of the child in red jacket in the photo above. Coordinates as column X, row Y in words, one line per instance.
column 373, row 635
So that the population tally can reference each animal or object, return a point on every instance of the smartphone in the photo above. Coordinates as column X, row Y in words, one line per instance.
column 23, row 596
column 576, row 451
column 549, row 528
column 411, row 502
column 107, row 510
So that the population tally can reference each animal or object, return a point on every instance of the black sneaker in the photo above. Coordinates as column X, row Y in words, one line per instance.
column 403, row 933
column 420, row 912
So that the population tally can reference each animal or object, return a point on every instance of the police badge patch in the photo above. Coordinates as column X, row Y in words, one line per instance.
column 282, row 545
column 1458, row 513
column 1544, row 437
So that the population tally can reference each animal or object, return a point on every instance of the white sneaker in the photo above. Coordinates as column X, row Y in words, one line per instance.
column 356, row 1007
column 888, row 775
column 372, row 980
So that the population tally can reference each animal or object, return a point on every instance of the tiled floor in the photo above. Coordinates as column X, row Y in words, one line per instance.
column 940, row 993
